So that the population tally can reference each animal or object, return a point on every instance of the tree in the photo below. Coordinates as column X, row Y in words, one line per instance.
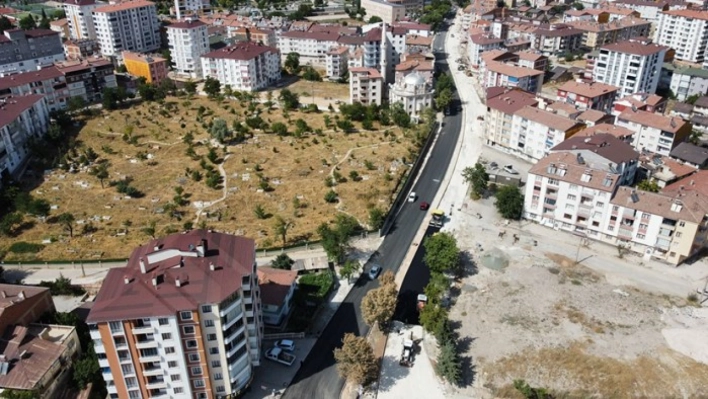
column 376, row 218
column 478, row 177
column 18, row 394
column 510, row 202
column 379, row 304
column 374, row 19
column 219, row 130
column 9, row 222
column 281, row 228
column 292, row 63
column 190, row 87
column 288, row 99
column 356, row 361
column 448, row 365
column 110, row 98
column 279, row 128
column 695, row 137
column 349, row 268
column 578, row 6
column 44, row 22
column 100, row 172
column 76, row 103
column 432, row 316
column 282, row 261
column 85, row 370
column 39, row 207
column 27, row 22
column 311, row 74
column 335, row 240
column 66, row 219
column 346, row 125
column 150, row 229
column 5, row 24
column 399, row 116
column 443, row 99
column 212, row 87
column 529, row 392
column 648, row 185
column 441, row 253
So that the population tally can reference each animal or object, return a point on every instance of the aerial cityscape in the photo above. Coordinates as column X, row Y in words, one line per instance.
column 327, row 199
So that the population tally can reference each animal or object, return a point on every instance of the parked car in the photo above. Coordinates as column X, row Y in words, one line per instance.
column 424, row 206
column 374, row 272
column 412, row 196
column 510, row 169
column 278, row 355
column 285, row 344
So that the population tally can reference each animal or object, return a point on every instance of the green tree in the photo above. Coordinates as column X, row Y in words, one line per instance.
column 66, row 220
column 85, row 371
column 39, row 207
column 510, row 202
column 292, row 63
column 28, row 22
column 100, row 172
column 219, row 130
column 441, row 253
column 376, row 218
column 529, row 392
column 44, row 22
column 432, row 316
column 578, row 6
column 443, row 99
column 378, row 305
column 695, row 137
column 18, row 394
column 281, row 228
column 649, row 185
column 76, row 103
column 311, row 74
column 282, row 261
column 335, row 239
column 5, row 24
column 331, row 197
column 399, row 116
column 374, row 19
column 478, row 177
column 190, row 87
column 356, row 361
column 448, row 365
column 346, row 125
column 349, row 268
column 279, row 128
column 289, row 100
column 9, row 222
column 212, row 87
column 150, row 229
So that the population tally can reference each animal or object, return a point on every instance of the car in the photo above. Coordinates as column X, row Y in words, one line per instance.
column 374, row 272
column 412, row 196
column 494, row 165
column 285, row 344
column 510, row 169
column 424, row 206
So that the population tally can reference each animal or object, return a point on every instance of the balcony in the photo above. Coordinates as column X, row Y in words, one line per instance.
column 146, row 344
column 235, row 349
column 624, row 233
column 233, row 335
column 150, row 358
column 156, row 384
column 143, row 330
column 229, row 308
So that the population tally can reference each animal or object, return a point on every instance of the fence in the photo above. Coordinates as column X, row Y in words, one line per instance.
column 284, row 336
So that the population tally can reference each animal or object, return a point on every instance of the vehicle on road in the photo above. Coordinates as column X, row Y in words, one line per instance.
column 510, row 169
column 407, row 354
column 412, row 196
column 424, row 206
column 374, row 272
column 280, row 356
column 285, row 344
column 422, row 301
column 494, row 165
column 438, row 218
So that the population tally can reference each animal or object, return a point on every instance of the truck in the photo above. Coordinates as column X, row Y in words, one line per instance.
column 407, row 354
column 438, row 218
column 278, row 355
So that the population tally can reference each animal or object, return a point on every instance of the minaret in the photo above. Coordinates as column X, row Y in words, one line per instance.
column 386, row 53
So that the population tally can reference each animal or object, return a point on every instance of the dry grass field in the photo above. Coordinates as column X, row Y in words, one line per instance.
column 156, row 162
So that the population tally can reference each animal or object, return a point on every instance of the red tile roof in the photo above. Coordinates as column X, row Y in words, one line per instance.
column 240, row 51
column 693, row 14
column 20, row 79
column 371, row 72
column 547, row 118
column 233, row 258
column 12, row 107
column 275, row 284
column 510, row 101
column 606, row 128
column 634, row 47
column 188, row 24
column 590, row 90
column 697, row 182
column 318, row 36
column 666, row 123
column 693, row 205
column 603, row 144
column 574, row 171
column 126, row 5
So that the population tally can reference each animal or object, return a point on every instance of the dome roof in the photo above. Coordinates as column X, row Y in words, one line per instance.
column 414, row 79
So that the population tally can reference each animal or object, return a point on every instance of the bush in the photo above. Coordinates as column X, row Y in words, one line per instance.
column 316, row 285
column 62, row 286
column 331, row 197
column 22, row 247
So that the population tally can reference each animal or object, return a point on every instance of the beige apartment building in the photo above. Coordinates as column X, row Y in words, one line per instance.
column 389, row 12
column 365, row 86
column 596, row 35
column 502, row 103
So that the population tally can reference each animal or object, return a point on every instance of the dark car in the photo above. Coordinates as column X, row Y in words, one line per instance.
column 424, row 206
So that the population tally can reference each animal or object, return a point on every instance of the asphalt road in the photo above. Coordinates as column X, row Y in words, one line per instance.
column 317, row 377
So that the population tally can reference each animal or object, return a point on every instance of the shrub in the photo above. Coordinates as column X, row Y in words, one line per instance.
column 331, row 196
column 22, row 247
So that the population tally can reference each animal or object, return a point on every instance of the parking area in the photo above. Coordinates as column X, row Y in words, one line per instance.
column 271, row 378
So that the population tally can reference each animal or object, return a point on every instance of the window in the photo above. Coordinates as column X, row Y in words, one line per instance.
column 175, row 377
column 206, row 308
column 641, row 236
column 178, row 390
column 131, row 382
column 193, row 357
column 169, row 350
column 209, row 323
column 220, row 389
column 134, row 394
column 573, row 187
column 196, row 370
column 211, row 337
column 214, row 351
column 215, row 363
column 201, row 395
column 188, row 330
column 682, row 224
column 191, row 344
column 166, row 336
column 115, row 326
column 127, row 369
column 600, row 204
column 163, row 321
column 172, row 364
column 572, row 197
column 678, row 234
column 185, row 315
column 198, row 383
column 218, row 376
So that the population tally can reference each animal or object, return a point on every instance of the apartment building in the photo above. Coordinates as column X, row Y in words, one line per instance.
column 648, row 10
column 532, row 59
column 130, row 25
column 21, row 118
column 593, row 95
column 336, row 62
column 610, row 152
column 534, row 131
column 186, row 8
column 266, row 37
column 153, row 68
column 22, row 51
column 640, row 101
column 502, row 104
column 312, row 46
column 685, row 31
column 23, row 305
column 182, row 319
column 49, row 82
column 188, row 41
column 78, row 49
column 633, row 65
column 79, row 13
column 596, row 35
column 480, row 44
column 389, row 12
column 88, row 78
column 277, row 289
column 687, row 82
column 509, row 75
column 366, row 86
column 245, row 66
column 654, row 132
column 556, row 39
column 60, row 26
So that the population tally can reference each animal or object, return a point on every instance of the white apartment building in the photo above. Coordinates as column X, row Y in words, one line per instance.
column 312, row 46
column 685, row 31
column 654, row 132
column 185, row 8
column 414, row 92
column 127, row 26
column 686, row 82
column 480, row 44
column 510, row 75
column 648, row 10
column 633, row 65
column 245, row 66
column 365, row 86
column 188, row 41
column 501, row 107
column 337, row 61
column 49, row 82
column 21, row 118
column 534, row 131
column 181, row 320
column 27, row 50
column 79, row 13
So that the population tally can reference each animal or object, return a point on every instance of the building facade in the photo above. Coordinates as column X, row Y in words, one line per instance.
column 188, row 41
column 22, row 51
column 687, row 82
column 633, row 65
column 49, row 82
column 88, row 78
column 509, row 75
column 414, row 92
column 596, row 35
column 201, row 336
column 131, row 26
column 245, row 66
column 22, row 118
column 534, row 131
column 499, row 117
column 584, row 96
column 79, row 13
column 685, row 31
column 154, row 69
column 277, row 289
column 365, row 86
column 654, row 132
column 389, row 12
column 185, row 8
column 312, row 46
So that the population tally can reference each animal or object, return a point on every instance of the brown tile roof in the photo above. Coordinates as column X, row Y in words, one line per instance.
column 606, row 128
column 592, row 26
column 693, row 14
column 187, row 24
column 697, row 182
column 590, row 90
column 232, row 256
column 60, row 22
column 497, row 55
column 371, row 72
column 547, row 118
column 510, row 101
column 694, row 206
column 576, row 13
column 701, row 102
column 676, row 170
column 415, row 65
column 318, row 36
column 29, row 77
column 512, row 70
column 275, row 284
column 339, row 50
column 126, row 5
column 594, row 115
column 562, row 108
column 574, row 171
column 645, row 118
column 683, row 108
column 529, row 55
column 547, row 32
column 241, row 51
column 73, row 66
column 412, row 26
column 11, row 107
column 603, row 144
column 612, row 10
column 485, row 39
column 415, row 40
column 634, row 47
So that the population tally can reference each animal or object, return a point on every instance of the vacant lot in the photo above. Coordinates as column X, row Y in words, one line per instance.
column 282, row 174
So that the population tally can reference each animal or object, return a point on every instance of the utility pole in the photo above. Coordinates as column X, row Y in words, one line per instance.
column 577, row 253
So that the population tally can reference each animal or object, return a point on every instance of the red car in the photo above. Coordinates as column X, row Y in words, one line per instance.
column 424, row 206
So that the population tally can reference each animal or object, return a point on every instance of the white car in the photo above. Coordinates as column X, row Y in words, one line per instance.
column 412, row 196
column 374, row 272
column 285, row 344
column 510, row 169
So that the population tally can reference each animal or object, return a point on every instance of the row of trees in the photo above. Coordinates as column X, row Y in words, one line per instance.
column 509, row 199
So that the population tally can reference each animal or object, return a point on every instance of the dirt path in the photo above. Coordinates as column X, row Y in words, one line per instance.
column 225, row 190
